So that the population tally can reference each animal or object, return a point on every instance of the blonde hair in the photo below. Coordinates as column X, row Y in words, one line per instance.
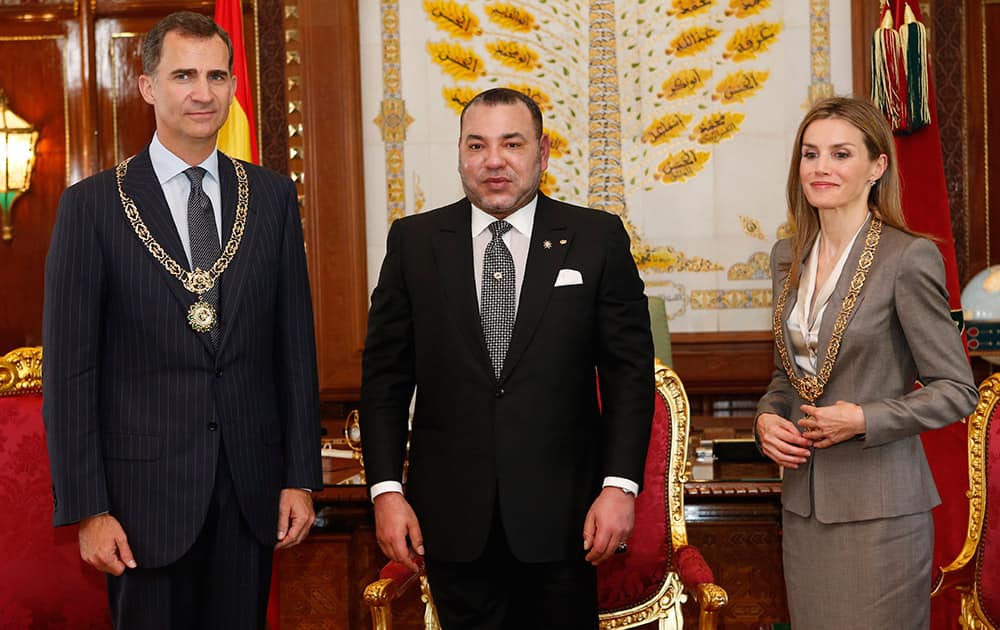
column 884, row 197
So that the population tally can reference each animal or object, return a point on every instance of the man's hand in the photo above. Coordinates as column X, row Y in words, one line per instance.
column 781, row 441
column 397, row 530
column 104, row 546
column 609, row 522
column 295, row 517
column 832, row 424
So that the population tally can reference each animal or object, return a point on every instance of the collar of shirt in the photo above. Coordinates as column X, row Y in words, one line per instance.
column 169, row 169
column 806, row 316
column 167, row 166
column 521, row 220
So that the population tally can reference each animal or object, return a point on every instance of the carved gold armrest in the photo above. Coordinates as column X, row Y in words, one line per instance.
column 711, row 599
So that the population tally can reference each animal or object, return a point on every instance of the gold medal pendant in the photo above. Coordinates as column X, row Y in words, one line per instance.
column 201, row 316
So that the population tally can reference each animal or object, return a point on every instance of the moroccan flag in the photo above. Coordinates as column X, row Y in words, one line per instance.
column 925, row 203
column 238, row 137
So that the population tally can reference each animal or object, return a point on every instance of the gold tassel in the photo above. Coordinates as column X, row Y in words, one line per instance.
column 889, row 74
column 913, row 37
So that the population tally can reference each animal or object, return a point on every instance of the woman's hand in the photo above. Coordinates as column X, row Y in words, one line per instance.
column 832, row 424
column 781, row 441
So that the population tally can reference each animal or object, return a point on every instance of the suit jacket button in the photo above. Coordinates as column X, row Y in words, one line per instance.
column 218, row 372
column 499, row 392
column 212, row 426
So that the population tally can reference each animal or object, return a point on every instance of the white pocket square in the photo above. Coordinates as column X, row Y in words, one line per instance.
column 568, row 277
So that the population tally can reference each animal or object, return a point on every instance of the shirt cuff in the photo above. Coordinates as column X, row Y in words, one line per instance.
column 385, row 486
column 620, row 482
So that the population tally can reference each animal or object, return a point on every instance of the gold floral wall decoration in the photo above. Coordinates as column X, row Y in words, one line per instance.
column 785, row 230
column 730, row 299
column 746, row 8
column 685, row 83
column 689, row 8
column 673, row 114
column 739, row 86
column 747, row 43
column 758, row 267
column 751, row 227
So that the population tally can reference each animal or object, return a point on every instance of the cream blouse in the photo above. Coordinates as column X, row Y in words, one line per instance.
column 804, row 322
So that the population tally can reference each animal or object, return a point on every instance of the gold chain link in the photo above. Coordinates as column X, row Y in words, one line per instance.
column 198, row 281
column 810, row 387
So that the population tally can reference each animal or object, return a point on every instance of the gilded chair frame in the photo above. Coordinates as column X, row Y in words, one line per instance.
column 21, row 371
column 665, row 604
column 962, row 574
column 380, row 594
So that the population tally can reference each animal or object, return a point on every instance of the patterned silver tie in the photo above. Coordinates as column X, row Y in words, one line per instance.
column 204, row 237
column 496, row 303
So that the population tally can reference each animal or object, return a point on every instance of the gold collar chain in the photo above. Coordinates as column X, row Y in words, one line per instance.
column 200, row 280
column 810, row 387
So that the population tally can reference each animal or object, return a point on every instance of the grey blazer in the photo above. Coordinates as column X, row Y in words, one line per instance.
column 900, row 332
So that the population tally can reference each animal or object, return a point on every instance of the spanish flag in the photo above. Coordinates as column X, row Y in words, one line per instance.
column 238, row 137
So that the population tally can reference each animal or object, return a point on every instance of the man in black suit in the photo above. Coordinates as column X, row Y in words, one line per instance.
column 180, row 383
column 498, row 309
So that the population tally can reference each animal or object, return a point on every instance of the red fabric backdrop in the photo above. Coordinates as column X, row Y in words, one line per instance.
column 925, row 202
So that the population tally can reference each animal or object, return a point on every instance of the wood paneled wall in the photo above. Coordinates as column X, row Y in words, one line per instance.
column 324, row 78
column 69, row 68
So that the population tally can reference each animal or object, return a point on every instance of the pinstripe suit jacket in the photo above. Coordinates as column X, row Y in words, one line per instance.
column 900, row 331
column 137, row 404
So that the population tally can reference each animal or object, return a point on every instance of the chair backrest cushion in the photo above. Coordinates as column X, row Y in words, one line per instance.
column 631, row 578
column 43, row 581
column 988, row 562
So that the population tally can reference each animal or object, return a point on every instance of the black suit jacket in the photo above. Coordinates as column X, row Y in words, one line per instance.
column 136, row 403
column 535, row 440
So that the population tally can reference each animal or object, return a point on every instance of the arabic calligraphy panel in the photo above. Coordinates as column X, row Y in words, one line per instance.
column 703, row 98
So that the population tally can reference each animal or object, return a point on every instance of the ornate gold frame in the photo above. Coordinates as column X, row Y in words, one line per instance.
column 665, row 605
column 21, row 371
column 962, row 573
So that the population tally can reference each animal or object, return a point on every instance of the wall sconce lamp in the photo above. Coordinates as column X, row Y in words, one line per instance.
column 17, row 157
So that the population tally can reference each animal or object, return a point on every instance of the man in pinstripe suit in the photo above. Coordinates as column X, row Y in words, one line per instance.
column 181, row 406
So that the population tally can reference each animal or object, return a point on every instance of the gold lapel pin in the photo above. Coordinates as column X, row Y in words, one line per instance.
column 547, row 244
column 563, row 241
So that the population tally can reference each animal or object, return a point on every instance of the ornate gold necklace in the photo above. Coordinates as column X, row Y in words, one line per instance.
column 201, row 315
column 810, row 387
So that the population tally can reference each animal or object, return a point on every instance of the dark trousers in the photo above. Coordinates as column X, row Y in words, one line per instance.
column 499, row 592
column 221, row 582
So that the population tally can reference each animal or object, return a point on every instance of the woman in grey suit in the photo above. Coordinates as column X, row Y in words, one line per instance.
column 860, row 316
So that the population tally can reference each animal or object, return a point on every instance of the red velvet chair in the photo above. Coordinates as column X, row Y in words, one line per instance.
column 43, row 582
column 975, row 573
column 659, row 572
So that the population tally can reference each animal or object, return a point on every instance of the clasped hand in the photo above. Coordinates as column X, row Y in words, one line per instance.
column 833, row 424
column 822, row 427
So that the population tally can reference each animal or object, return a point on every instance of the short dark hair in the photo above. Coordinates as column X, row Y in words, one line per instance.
column 187, row 23
column 506, row 96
